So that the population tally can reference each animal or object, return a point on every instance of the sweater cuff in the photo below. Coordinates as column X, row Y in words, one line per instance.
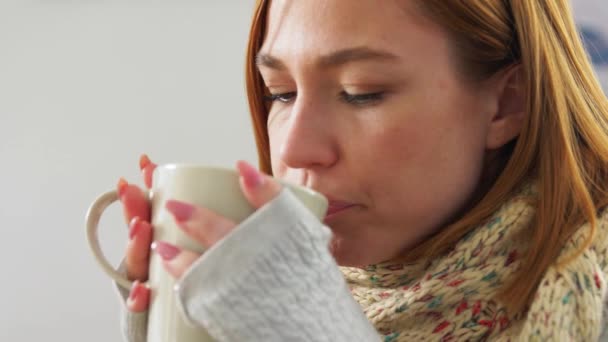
column 233, row 256
column 273, row 279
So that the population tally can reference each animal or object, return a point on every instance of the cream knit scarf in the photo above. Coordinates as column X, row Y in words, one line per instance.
column 453, row 298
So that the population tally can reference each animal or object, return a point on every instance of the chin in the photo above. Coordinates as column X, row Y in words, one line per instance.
column 345, row 256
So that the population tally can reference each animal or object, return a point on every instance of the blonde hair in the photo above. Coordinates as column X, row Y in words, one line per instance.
column 563, row 143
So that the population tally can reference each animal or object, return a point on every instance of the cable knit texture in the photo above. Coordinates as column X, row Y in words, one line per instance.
column 453, row 297
column 273, row 279
column 275, row 282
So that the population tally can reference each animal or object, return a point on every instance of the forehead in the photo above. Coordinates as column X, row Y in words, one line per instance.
column 319, row 27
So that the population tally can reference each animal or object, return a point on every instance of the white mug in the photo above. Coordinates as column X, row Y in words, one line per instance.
column 214, row 188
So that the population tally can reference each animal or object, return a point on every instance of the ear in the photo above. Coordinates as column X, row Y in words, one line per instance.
column 507, row 120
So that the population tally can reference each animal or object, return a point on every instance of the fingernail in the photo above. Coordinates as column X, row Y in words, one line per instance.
column 147, row 168
column 136, row 290
column 144, row 161
column 166, row 250
column 181, row 210
column 122, row 186
column 252, row 177
column 135, row 226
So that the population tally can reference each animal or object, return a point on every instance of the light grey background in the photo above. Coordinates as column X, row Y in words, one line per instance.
column 85, row 87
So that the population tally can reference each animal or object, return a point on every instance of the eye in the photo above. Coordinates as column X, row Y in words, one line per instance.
column 281, row 97
column 362, row 99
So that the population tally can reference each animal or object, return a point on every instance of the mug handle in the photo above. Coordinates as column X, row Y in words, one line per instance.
column 92, row 223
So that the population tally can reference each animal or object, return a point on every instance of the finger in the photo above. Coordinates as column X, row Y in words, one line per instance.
column 258, row 188
column 138, row 249
column 201, row 224
column 147, row 169
column 139, row 298
column 134, row 200
column 175, row 260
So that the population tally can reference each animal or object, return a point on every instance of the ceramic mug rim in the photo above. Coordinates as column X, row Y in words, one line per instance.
column 215, row 168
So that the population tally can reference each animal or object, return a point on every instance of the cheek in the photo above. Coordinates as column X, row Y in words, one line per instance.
column 426, row 130
column 429, row 164
column 402, row 144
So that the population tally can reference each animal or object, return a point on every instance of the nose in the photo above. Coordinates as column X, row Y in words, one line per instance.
column 309, row 141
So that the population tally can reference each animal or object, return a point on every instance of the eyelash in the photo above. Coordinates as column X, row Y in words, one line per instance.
column 353, row 99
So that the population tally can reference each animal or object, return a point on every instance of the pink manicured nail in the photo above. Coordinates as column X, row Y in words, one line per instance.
column 144, row 161
column 122, row 186
column 135, row 226
column 166, row 250
column 136, row 290
column 181, row 210
column 253, row 178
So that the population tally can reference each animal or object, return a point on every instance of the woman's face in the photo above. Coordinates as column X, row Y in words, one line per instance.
column 368, row 109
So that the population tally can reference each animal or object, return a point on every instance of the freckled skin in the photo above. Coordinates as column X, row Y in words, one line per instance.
column 410, row 160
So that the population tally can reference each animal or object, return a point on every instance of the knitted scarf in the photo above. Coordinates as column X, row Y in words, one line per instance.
column 453, row 298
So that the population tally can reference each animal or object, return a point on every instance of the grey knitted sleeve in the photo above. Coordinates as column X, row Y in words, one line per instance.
column 273, row 279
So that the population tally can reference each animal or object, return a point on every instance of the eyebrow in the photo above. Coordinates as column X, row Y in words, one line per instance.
column 334, row 59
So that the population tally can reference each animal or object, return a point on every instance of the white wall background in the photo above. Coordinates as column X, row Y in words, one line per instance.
column 85, row 87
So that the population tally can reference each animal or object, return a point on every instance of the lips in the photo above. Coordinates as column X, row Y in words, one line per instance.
column 336, row 207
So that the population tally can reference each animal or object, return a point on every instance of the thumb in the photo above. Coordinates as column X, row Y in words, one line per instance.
column 258, row 188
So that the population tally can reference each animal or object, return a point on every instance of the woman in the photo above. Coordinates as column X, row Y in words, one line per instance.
column 464, row 149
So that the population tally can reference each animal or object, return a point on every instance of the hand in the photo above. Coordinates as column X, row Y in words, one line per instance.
column 207, row 227
column 136, row 208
